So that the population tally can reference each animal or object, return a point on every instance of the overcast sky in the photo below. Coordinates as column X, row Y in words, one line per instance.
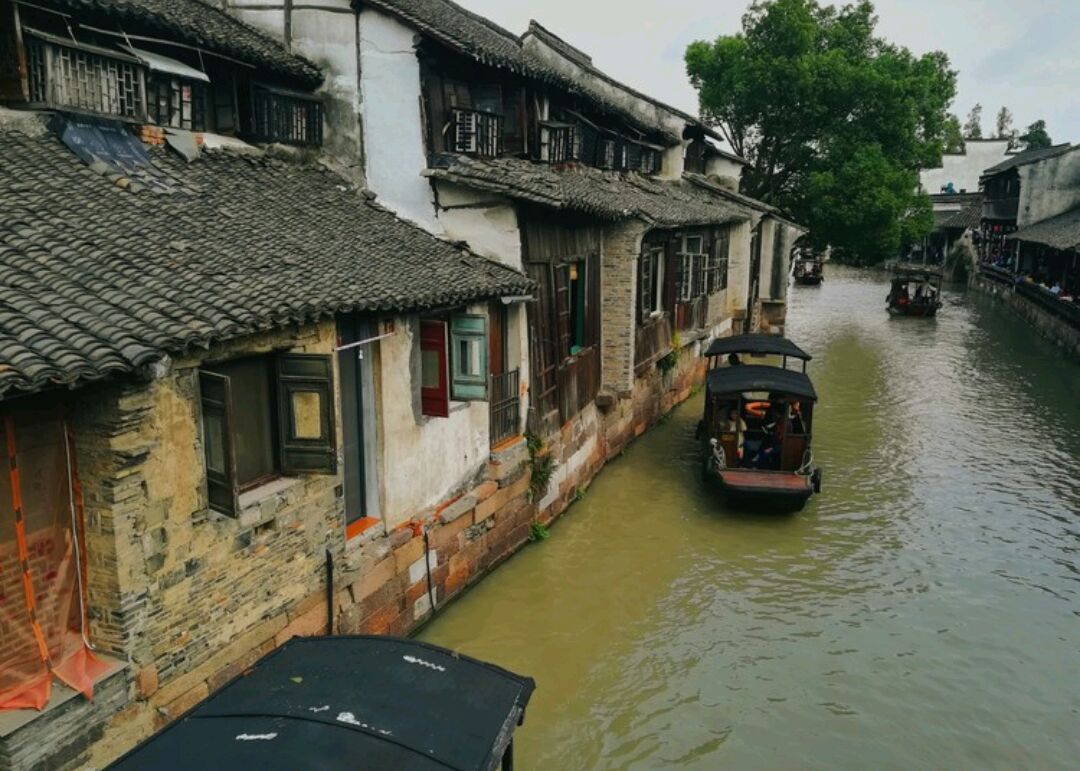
column 1020, row 53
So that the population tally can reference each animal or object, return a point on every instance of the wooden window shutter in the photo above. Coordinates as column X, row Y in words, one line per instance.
column 469, row 349
column 434, row 388
column 305, row 393
column 562, row 309
column 671, row 278
column 215, row 392
column 645, row 285
column 14, row 75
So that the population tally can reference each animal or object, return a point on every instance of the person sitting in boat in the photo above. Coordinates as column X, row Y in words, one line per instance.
column 768, row 452
column 733, row 360
column 736, row 425
column 899, row 295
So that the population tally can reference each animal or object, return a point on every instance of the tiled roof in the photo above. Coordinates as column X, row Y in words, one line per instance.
column 739, row 198
column 1026, row 157
column 1060, row 232
column 204, row 25
column 487, row 42
column 96, row 279
column 968, row 217
column 604, row 194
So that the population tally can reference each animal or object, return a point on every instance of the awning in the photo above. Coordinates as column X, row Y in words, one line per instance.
column 757, row 377
column 376, row 703
column 757, row 342
column 160, row 63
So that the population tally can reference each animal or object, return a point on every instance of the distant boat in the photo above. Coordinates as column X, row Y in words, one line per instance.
column 756, row 428
column 808, row 270
column 915, row 291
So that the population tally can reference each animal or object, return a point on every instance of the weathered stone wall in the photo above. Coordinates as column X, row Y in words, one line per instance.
column 1055, row 329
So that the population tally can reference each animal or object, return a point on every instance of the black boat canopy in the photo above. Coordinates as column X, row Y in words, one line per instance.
column 757, row 342
column 376, row 703
column 756, row 377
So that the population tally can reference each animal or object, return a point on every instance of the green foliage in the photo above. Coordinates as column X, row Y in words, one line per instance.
column 1036, row 136
column 1004, row 123
column 538, row 532
column 835, row 121
column 973, row 125
column 953, row 136
column 667, row 362
column 541, row 466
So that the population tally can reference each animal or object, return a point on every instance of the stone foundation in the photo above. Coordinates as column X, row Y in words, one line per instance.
column 1055, row 329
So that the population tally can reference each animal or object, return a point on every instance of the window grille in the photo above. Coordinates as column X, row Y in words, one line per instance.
column 177, row 102
column 84, row 78
column 476, row 132
column 557, row 142
column 286, row 117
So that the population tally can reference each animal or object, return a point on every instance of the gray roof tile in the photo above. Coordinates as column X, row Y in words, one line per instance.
column 604, row 194
column 1060, row 232
column 95, row 280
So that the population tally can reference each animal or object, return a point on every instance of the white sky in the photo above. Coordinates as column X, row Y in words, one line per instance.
column 1020, row 53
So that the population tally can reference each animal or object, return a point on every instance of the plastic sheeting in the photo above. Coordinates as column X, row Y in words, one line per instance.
column 42, row 578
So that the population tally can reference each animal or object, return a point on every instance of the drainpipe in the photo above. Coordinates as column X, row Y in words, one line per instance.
column 329, row 593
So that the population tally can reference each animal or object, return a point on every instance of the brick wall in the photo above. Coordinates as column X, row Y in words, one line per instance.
column 618, row 277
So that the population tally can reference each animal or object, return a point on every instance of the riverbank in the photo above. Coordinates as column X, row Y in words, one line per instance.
column 1047, row 316
column 919, row 613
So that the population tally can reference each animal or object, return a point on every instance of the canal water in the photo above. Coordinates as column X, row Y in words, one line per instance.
column 923, row 612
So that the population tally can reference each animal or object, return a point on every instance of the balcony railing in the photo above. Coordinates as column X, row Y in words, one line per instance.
column 474, row 132
column 1069, row 312
column 505, row 405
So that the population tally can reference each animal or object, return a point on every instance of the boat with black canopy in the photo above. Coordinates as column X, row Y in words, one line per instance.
column 758, row 418
column 915, row 290
column 807, row 268
column 377, row 703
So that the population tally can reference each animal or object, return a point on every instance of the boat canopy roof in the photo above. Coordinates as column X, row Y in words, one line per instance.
column 757, row 377
column 756, row 342
column 916, row 271
column 348, row 702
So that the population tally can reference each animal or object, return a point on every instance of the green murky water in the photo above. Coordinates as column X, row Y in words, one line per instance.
column 924, row 612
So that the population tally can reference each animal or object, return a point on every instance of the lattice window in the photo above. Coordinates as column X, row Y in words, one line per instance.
column 476, row 132
column 177, row 102
column 85, row 78
column 557, row 142
column 287, row 117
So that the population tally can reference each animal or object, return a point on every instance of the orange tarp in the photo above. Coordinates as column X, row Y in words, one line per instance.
column 42, row 578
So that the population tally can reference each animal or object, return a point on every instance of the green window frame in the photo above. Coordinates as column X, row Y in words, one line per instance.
column 468, row 357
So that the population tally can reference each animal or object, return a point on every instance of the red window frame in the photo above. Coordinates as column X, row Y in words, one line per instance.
column 435, row 401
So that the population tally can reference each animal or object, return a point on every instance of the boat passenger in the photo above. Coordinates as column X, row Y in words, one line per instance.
column 733, row 360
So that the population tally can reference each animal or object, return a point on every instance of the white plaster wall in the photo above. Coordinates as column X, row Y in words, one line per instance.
column 739, row 267
column 719, row 166
column 485, row 221
column 673, row 161
column 424, row 459
column 769, row 233
column 326, row 34
column 964, row 170
column 393, row 129
column 1049, row 188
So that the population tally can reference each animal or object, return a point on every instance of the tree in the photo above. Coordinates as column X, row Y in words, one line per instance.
column 954, row 136
column 835, row 121
column 1036, row 137
column 1004, row 123
column 973, row 126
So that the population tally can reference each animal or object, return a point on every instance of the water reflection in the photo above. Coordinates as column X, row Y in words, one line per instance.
column 922, row 612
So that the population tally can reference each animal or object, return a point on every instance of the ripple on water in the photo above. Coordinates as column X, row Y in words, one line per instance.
column 921, row 612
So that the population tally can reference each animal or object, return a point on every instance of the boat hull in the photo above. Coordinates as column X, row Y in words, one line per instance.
column 914, row 311
column 771, row 490
column 809, row 280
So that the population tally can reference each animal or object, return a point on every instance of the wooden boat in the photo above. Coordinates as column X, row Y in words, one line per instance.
column 915, row 291
column 808, row 269
column 756, row 430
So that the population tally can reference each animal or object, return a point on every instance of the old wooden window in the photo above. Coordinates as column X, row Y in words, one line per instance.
column 76, row 76
column 651, row 283
column 264, row 416
column 469, row 346
column 571, row 293
column 716, row 266
column 434, row 377
column 557, row 143
column 690, row 281
column 606, row 156
column 474, row 132
column 649, row 161
column 177, row 102
column 289, row 117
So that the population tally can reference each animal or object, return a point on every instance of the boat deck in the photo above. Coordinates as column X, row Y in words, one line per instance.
column 765, row 481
